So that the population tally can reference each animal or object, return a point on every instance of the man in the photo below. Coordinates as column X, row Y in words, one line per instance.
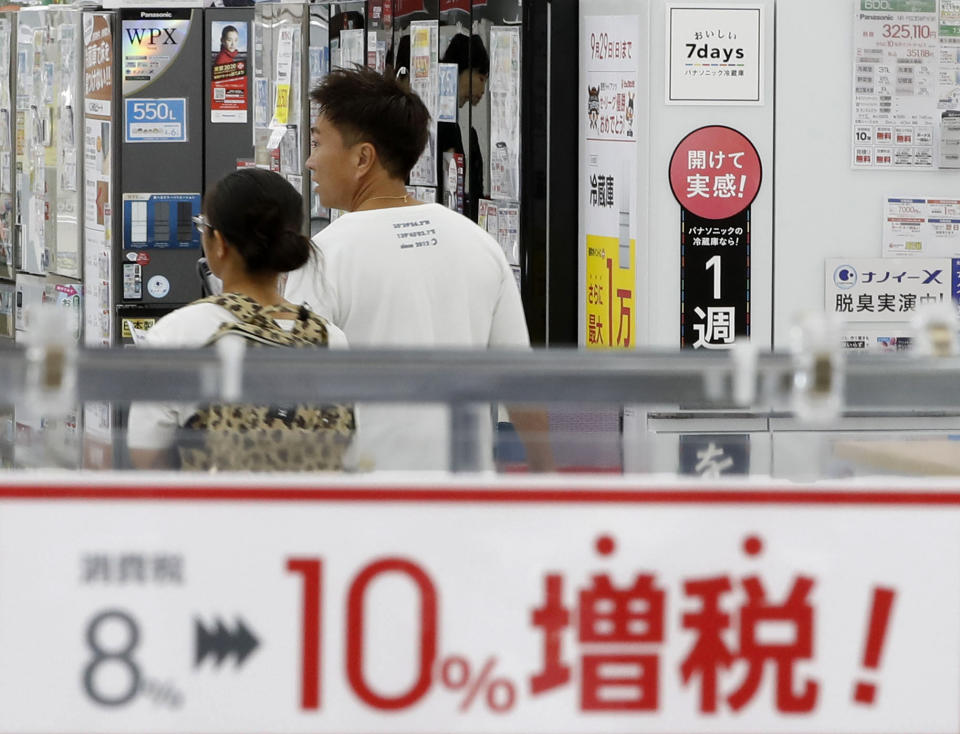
column 473, row 70
column 394, row 272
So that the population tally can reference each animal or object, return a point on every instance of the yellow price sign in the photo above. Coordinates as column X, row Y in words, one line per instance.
column 610, row 294
column 139, row 324
column 282, row 111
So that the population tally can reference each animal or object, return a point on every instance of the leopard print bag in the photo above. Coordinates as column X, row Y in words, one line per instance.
column 243, row 437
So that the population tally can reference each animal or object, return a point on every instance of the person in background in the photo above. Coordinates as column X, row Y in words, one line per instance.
column 473, row 70
column 395, row 272
column 251, row 233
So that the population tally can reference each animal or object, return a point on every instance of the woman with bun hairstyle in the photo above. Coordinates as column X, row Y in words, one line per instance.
column 251, row 235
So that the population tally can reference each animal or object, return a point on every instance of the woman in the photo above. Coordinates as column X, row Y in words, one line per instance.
column 229, row 41
column 250, row 230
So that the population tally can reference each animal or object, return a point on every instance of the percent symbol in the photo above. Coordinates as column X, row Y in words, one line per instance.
column 456, row 674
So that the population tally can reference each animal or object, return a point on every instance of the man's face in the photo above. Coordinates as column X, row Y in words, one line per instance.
column 230, row 42
column 471, row 85
column 331, row 164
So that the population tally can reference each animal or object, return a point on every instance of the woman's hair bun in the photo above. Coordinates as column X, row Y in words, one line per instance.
column 290, row 251
column 260, row 215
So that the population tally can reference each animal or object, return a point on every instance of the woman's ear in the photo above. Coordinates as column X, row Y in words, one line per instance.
column 217, row 246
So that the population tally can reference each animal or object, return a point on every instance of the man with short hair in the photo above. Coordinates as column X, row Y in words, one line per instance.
column 395, row 272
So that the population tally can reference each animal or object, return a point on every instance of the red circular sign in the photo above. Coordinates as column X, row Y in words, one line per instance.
column 715, row 172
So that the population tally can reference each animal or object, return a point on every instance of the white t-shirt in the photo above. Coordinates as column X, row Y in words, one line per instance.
column 154, row 425
column 407, row 277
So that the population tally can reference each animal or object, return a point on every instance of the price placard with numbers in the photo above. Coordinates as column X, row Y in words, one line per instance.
column 155, row 120
column 436, row 606
column 896, row 70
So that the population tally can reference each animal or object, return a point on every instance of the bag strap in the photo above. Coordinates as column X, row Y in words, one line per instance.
column 257, row 321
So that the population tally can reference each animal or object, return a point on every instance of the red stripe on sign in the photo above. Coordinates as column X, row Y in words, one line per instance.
column 420, row 731
column 678, row 496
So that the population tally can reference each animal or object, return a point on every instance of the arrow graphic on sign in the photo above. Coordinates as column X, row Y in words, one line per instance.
column 221, row 642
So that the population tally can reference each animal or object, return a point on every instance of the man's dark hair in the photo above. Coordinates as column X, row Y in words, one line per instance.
column 372, row 108
column 467, row 52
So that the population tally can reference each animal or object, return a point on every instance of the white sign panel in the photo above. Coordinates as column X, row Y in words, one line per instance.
column 884, row 289
column 447, row 94
column 714, row 54
column 895, row 84
column 921, row 226
column 423, row 80
column 505, row 112
column 608, row 186
column 545, row 609
column 875, row 339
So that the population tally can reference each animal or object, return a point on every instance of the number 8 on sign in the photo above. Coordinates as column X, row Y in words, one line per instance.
column 119, row 654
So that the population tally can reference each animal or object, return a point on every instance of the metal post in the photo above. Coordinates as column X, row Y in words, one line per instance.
column 464, row 438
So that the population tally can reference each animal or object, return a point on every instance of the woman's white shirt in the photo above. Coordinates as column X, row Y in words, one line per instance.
column 154, row 425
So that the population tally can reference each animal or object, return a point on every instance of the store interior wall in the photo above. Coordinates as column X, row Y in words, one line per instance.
column 812, row 204
column 824, row 208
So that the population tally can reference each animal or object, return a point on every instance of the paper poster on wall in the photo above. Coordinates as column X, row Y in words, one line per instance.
column 423, row 81
column 69, row 298
column 714, row 53
column 351, row 48
column 376, row 52
column 98, row 179
column 161, row 221
column 864, row 338
column 921, row 227
column 607, row 187
column 504, row 112
column 447, row 95
column 7, row 212
column 715, row 174
column 508, row 231
column 284, row 74
column 885, row 289
column 895, row 82
column 608, row 182
column 948, row 84
column 714, row 280
column 151, row 39
column 7, row 301
column 228, row 73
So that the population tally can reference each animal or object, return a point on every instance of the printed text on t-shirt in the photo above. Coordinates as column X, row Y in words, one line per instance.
column 415, row 234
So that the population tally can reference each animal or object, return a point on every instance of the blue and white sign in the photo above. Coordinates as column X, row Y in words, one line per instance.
column 885, row 289
column 155, row 120
column 160, row 221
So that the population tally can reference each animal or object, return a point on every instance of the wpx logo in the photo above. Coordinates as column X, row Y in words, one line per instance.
column 845, row 277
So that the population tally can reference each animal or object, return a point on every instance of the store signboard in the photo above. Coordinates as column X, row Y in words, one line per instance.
column 229, row 62
column 715, row 174
column 152, row 40
column 906, row 84
column 155, row 120
column 886, row 289
column 714, row 54
column 216, row 607
column 608, row 179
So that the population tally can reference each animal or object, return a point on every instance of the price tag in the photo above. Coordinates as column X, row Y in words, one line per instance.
column 155, row 120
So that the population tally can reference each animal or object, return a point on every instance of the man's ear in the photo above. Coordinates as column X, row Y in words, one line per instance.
column 366, row 157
